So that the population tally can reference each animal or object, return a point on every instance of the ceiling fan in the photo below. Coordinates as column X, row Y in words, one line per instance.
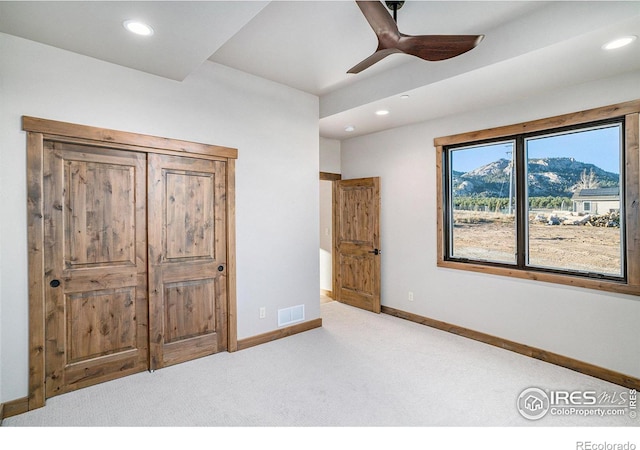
column 390, row 40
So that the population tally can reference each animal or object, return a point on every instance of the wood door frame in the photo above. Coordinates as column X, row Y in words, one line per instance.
column 40, row 130
column 333, row 177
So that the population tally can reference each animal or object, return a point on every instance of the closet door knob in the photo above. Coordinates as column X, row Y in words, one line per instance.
column 220, row 268
column 54, row 283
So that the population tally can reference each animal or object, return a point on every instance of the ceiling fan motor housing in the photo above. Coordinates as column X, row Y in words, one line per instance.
column 394, row 6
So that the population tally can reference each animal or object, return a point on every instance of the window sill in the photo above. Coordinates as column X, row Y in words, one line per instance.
column 619, row 287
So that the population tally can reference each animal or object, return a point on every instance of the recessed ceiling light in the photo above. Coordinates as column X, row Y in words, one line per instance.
column 404, row 96
column 620, row 42
column 138, row 27
column 382, row 112
column 349, row 128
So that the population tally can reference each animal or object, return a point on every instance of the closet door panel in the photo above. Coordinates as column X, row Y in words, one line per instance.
column 95, row 265
column 187, row 258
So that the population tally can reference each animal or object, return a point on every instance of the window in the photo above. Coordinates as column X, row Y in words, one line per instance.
column 482, row 203
column 553, row 200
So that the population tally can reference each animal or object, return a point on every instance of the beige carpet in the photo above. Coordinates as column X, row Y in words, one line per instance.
column 359, row 370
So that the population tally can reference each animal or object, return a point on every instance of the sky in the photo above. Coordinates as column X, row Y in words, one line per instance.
column 599, row 146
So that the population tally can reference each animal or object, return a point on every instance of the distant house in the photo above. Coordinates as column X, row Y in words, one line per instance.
column 596, row 201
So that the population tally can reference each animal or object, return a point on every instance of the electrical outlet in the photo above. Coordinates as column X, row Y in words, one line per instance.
column 263, row 312
column 410, row 296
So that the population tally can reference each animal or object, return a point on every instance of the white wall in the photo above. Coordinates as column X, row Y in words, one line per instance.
column 329, row 162
column 592, row 326
column 329, row 155
column 274, row 127
column 326, row 235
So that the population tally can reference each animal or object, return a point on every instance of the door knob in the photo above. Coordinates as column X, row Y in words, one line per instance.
column 220, row 268
column 376, row 251
column 54, row 283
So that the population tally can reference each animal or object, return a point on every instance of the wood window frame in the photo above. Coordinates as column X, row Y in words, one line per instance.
column 40, row 130
column 631, row 113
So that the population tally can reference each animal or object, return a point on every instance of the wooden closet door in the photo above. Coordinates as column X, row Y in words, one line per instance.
column 94, row 265
column 187, row 258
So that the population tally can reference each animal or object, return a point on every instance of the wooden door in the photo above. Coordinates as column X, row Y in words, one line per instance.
column 357, row 243
column 95, row 287
column 187, row 258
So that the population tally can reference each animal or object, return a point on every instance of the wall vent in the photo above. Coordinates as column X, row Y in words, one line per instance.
column 290, row 315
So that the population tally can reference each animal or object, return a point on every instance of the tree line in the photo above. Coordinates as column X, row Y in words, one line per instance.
column 497, row 204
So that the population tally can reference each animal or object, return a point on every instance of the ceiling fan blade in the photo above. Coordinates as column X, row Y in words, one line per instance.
column 438, row 47
column 390, row 40
column 380, row 21
column 371, row 60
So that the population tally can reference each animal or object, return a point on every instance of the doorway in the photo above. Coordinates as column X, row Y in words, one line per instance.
column 350, row 241
column 326, row 235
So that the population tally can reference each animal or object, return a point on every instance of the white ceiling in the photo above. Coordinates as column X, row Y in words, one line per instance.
column 529, row 47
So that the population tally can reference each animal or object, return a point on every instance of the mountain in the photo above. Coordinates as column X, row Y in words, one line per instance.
column 555, row 177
